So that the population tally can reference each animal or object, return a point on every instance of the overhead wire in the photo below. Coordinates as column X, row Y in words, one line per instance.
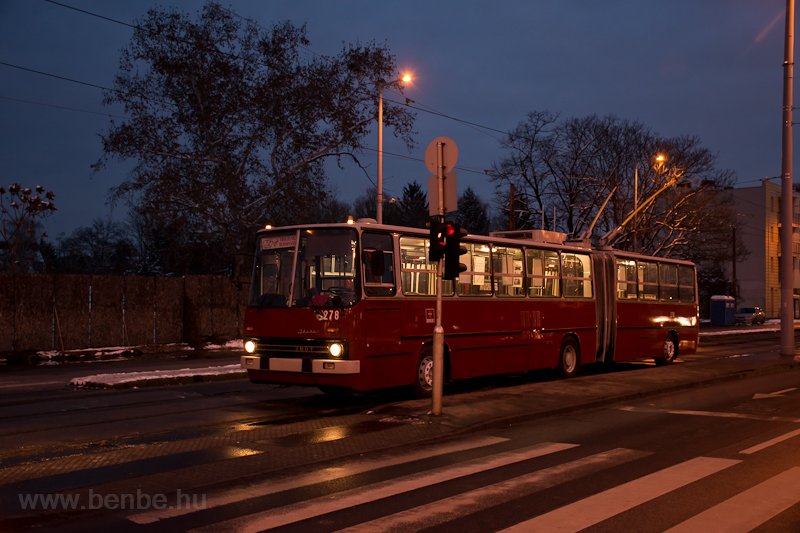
column 57, row 106
column 411, row 103
column 420, row 107
column 408, row 103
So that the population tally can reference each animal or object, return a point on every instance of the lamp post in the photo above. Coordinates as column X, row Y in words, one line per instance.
column 660, row 160
column 405, row 78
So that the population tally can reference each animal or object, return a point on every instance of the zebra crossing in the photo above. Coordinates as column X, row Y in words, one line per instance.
column 527, row 471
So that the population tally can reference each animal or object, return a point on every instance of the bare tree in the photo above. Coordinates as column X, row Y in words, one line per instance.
column 21, row 208
column 571, row 166
column 229, row 126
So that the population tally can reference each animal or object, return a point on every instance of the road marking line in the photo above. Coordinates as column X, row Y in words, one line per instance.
column 776, row 394
column 342, row 500
column 749, row 509
column 439, row 512
column 317, row 476
column 771, row 442
column 715, row 414
column 603, row 505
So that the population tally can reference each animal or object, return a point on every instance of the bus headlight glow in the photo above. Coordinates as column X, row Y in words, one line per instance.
column 336, row 349
column 249, row 346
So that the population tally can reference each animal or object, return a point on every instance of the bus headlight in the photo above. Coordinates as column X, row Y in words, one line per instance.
column 250, row 346
column 336, row 349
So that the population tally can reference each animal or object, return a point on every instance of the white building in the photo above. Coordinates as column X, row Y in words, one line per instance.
column 758, row 224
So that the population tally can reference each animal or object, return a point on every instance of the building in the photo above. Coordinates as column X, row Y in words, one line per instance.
column 758, row 225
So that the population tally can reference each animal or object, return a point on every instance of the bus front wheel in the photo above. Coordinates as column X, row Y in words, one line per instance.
column 670, row 351
column 423, row 381
column 569, row 359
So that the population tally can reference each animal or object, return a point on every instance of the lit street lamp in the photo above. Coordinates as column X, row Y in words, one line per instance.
column 406, row 78
column 660, row 160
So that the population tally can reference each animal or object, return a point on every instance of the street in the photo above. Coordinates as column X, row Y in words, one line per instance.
column 710, row 443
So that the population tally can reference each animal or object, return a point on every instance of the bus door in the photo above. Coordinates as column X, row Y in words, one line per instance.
column 605, row 310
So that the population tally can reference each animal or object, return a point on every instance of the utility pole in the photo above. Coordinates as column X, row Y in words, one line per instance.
column 635, row 206
column 512, row 223
column 734, row 292
column 787, row 201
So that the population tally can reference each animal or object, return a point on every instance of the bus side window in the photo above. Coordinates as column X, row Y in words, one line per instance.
column 686, row 284
column 477, row 280
column 626, row 279
column 377, row 258
column 507, row 271
column 576, row 272
column 417, row 275
column 668, row 276
column 543, row 273
column 648, row 281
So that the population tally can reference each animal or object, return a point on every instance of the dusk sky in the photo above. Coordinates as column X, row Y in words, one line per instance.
column 707, row 68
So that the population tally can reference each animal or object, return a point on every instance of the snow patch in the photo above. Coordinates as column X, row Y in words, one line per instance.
column 126, row 379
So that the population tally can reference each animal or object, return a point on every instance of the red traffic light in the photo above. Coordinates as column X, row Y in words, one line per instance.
column 453, row 250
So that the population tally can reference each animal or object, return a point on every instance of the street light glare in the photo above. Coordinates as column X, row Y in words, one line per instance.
column 407, row 77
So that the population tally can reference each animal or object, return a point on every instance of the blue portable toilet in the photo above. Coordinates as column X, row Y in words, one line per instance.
column 722, row 310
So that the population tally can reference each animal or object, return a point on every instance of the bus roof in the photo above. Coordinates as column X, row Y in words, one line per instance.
column 530, row 238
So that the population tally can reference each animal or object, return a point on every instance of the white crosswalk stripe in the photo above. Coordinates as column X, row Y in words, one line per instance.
column 472, row 501
column 604, row 505
column 343, row 500
column 742, row 512
column 749, row 509
column 274, row 486
column 777, row 440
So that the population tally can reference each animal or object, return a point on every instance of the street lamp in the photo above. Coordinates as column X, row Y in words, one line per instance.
column 660, row 159
column 405, row 78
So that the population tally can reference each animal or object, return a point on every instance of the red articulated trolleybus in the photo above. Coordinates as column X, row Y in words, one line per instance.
column 352, row 307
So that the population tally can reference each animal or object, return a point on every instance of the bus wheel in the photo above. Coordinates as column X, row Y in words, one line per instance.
column 423, row 382
column 569, row 360
column 670, row 351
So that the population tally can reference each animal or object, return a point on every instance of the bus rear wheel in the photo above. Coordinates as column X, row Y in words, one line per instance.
column 670, row 351
column 569, row 358
column 423, row 381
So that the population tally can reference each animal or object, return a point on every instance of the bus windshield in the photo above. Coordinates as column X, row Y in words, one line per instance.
column 322, row 274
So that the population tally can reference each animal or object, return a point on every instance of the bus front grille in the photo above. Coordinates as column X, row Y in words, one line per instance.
column 305, row 348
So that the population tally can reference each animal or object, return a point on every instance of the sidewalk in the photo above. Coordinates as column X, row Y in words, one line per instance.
column 508, row 405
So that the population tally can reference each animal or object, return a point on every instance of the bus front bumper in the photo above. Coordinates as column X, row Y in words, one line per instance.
column 305, row 366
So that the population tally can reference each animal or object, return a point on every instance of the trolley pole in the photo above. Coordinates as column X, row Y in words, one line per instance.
column 438, row 330
column 787, row 200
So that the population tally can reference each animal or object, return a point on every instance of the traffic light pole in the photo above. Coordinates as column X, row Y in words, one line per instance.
column 438, row 330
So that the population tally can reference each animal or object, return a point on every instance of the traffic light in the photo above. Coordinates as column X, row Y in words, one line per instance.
column 438, row 240
column 453, row 252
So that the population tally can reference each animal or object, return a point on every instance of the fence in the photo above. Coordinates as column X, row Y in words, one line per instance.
column 62, row 312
